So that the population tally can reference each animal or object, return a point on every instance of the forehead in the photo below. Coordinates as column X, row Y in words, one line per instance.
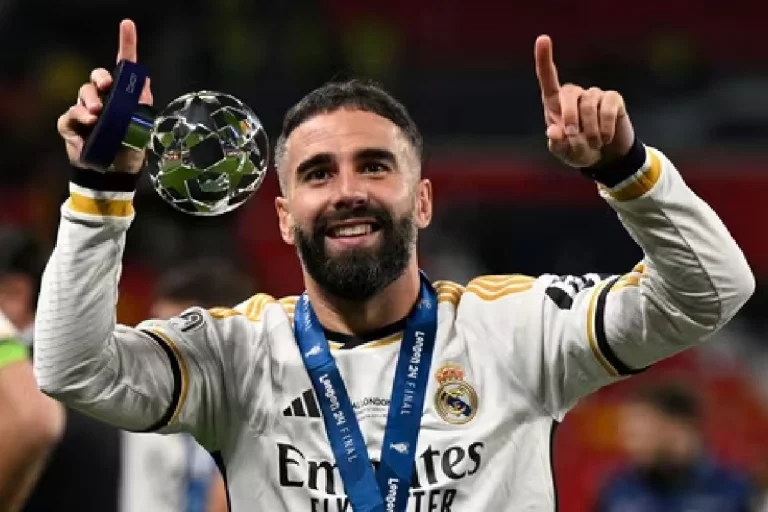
column 343, row 132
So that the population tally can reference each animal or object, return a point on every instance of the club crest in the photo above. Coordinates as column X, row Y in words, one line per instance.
column 455, row 400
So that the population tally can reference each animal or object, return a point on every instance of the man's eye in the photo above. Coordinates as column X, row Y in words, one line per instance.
column 374, row 167
column 316, row 175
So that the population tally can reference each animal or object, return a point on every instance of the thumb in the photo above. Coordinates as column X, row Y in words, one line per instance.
column 557, row 142
column 556, row 132
column 127, row 42
column 559, row 148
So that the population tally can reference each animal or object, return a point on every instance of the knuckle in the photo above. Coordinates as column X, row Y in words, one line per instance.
column 608, row 109
column 80, row 114
column 100, row 75
column 589, row 104
column 568, row 99
column 569, row 94
column 594, row 94
column 65, row 119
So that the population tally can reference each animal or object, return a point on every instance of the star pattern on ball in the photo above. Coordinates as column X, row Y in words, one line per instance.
column 208, row 153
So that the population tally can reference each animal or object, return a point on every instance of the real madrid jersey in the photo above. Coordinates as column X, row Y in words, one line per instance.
column 513, row 354
column 164, row 473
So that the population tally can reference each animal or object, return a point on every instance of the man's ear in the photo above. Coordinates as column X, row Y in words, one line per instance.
column 285, row 220
column 424, row 204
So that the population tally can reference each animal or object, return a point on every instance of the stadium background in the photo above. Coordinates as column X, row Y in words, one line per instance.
column 694, row 81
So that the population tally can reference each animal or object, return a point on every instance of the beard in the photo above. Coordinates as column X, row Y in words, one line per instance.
column 358, row 274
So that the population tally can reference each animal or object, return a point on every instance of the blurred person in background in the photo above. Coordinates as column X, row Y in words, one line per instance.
column 173, row 473
column 83, row 470
column 30, row 423
column 670, row 469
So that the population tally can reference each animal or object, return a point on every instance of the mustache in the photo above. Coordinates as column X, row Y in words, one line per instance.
column 379, row 215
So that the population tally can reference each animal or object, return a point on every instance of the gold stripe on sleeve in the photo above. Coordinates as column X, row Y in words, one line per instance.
column 641, row 184
column 104, row 207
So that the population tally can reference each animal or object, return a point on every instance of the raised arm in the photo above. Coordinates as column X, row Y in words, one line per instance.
column 159, row 376
column 692, row 280
column 693, row 277
column 577, row 333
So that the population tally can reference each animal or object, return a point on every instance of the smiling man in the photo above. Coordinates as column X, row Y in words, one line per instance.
column 355, row 232
column 355, row 251
column 378, row 389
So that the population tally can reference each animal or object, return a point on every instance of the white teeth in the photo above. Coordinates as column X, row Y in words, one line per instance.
column 356, row 230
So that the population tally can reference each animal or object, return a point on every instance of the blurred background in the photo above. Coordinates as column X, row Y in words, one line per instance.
column 694, row 80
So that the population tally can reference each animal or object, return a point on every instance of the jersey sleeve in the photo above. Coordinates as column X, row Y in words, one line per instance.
column 164, row 376
column 565, row 336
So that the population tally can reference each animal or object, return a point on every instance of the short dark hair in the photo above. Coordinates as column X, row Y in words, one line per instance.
column 23, row 253
column 354, row 94
column 671, row 399
column 207, row 283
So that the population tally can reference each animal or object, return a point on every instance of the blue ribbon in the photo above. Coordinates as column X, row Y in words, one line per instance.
column 386, row 490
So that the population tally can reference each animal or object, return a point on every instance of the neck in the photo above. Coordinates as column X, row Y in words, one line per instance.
column 360, row 317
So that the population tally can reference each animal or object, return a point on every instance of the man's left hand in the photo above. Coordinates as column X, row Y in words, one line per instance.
column 585, row 127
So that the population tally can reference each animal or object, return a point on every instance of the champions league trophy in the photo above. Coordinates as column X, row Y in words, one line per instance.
column 206, row 152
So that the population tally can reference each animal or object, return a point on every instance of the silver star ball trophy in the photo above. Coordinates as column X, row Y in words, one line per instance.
column 206, row 152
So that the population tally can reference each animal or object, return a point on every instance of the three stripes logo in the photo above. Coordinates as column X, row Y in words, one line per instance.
column 304, row 406
column 490, row 288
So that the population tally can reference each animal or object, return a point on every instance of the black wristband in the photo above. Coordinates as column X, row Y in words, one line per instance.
column 106, row 181
column 613, row 173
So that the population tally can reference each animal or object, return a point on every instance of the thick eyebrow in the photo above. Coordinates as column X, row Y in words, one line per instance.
column 376, row 154
column 325, row 159
column 314, row 161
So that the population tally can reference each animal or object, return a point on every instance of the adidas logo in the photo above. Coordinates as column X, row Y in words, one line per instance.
column 304, row 406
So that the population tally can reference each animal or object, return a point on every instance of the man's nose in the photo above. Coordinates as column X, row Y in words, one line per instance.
column 351, row 191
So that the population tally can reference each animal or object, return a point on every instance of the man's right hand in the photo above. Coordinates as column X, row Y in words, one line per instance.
column 83, row 115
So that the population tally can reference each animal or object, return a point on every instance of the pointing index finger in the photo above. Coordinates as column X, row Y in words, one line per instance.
column 545, row 67
column 127, row 45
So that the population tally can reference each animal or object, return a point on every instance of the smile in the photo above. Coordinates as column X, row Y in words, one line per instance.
column 352, row 229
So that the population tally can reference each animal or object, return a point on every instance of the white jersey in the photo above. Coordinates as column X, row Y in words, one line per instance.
column 513, row 354
column 164, row 473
